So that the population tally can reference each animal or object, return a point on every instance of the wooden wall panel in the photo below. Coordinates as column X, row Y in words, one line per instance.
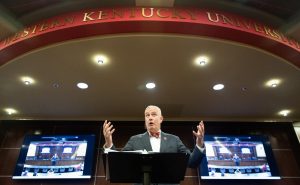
column 284, row 181
column 100, row 166
column 14, row 134
column 191, row 172
column 8, row 161
column 187, row 181
column 80, row 128
column 2, row 131
column 102, row 181
column 69, row 182
column 77, row 127
column 286, row 163
column 9, row 181
column 191, row 180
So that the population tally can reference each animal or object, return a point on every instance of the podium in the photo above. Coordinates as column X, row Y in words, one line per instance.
column 131, row 167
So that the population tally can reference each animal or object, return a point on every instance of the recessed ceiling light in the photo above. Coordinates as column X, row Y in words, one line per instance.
column 100, row 59
column 202, row 60
column 10, row 111
column 273, row 83
column 27, row 80
column 244, row 89
column 55, row 85
column 150, row 85
column 218, row 87
column 82, row 85
column 284, row 112
column 37, row 132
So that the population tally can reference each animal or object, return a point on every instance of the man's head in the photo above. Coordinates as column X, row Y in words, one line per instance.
column 153, row 118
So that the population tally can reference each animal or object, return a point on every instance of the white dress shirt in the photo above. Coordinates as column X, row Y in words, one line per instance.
column 155, row 143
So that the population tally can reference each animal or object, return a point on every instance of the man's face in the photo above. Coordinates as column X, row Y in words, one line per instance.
column 153, row 119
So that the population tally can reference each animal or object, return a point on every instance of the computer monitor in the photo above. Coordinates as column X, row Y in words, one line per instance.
column 55, row 157
column 238, row 157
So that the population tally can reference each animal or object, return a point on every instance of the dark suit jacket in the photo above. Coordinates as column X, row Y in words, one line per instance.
column 169, row 144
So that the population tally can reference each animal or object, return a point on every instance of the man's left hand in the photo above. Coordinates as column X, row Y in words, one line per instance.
column 200, row 135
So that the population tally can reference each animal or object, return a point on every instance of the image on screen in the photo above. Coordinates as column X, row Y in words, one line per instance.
column 240, row 157
column 55, row 157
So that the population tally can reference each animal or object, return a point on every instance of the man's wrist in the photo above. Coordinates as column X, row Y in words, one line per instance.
column 201, row 148
column 106, row 146
column 200, row 142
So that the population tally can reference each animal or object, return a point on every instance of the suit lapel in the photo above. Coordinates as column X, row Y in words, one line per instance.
column 163, row 142
column 146, row 141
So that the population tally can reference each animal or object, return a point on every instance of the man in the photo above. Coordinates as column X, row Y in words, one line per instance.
column 54, row 159
column 157, row 141
column 236, row 159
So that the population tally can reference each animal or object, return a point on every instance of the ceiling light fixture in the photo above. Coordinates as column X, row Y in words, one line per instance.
column 37, row 132
column 218, row 87
column 100, row 59
column 273, row 83
column 82, row 85
column 10, row 111
column 202, row 60
column 244, row 88
column 284, row 112
column 27, row 80
column 202, row 63
column 55, row 85
column 150, row 85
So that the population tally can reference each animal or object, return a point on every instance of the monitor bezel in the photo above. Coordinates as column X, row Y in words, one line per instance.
column 88, row 160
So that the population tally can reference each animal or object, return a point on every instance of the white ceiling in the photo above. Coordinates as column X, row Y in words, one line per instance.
column 117, row 90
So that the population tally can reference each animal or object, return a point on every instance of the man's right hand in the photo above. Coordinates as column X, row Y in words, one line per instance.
column 108, row 130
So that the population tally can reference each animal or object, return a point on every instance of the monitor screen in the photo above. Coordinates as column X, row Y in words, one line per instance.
column 238, row 157
column 55, row 157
